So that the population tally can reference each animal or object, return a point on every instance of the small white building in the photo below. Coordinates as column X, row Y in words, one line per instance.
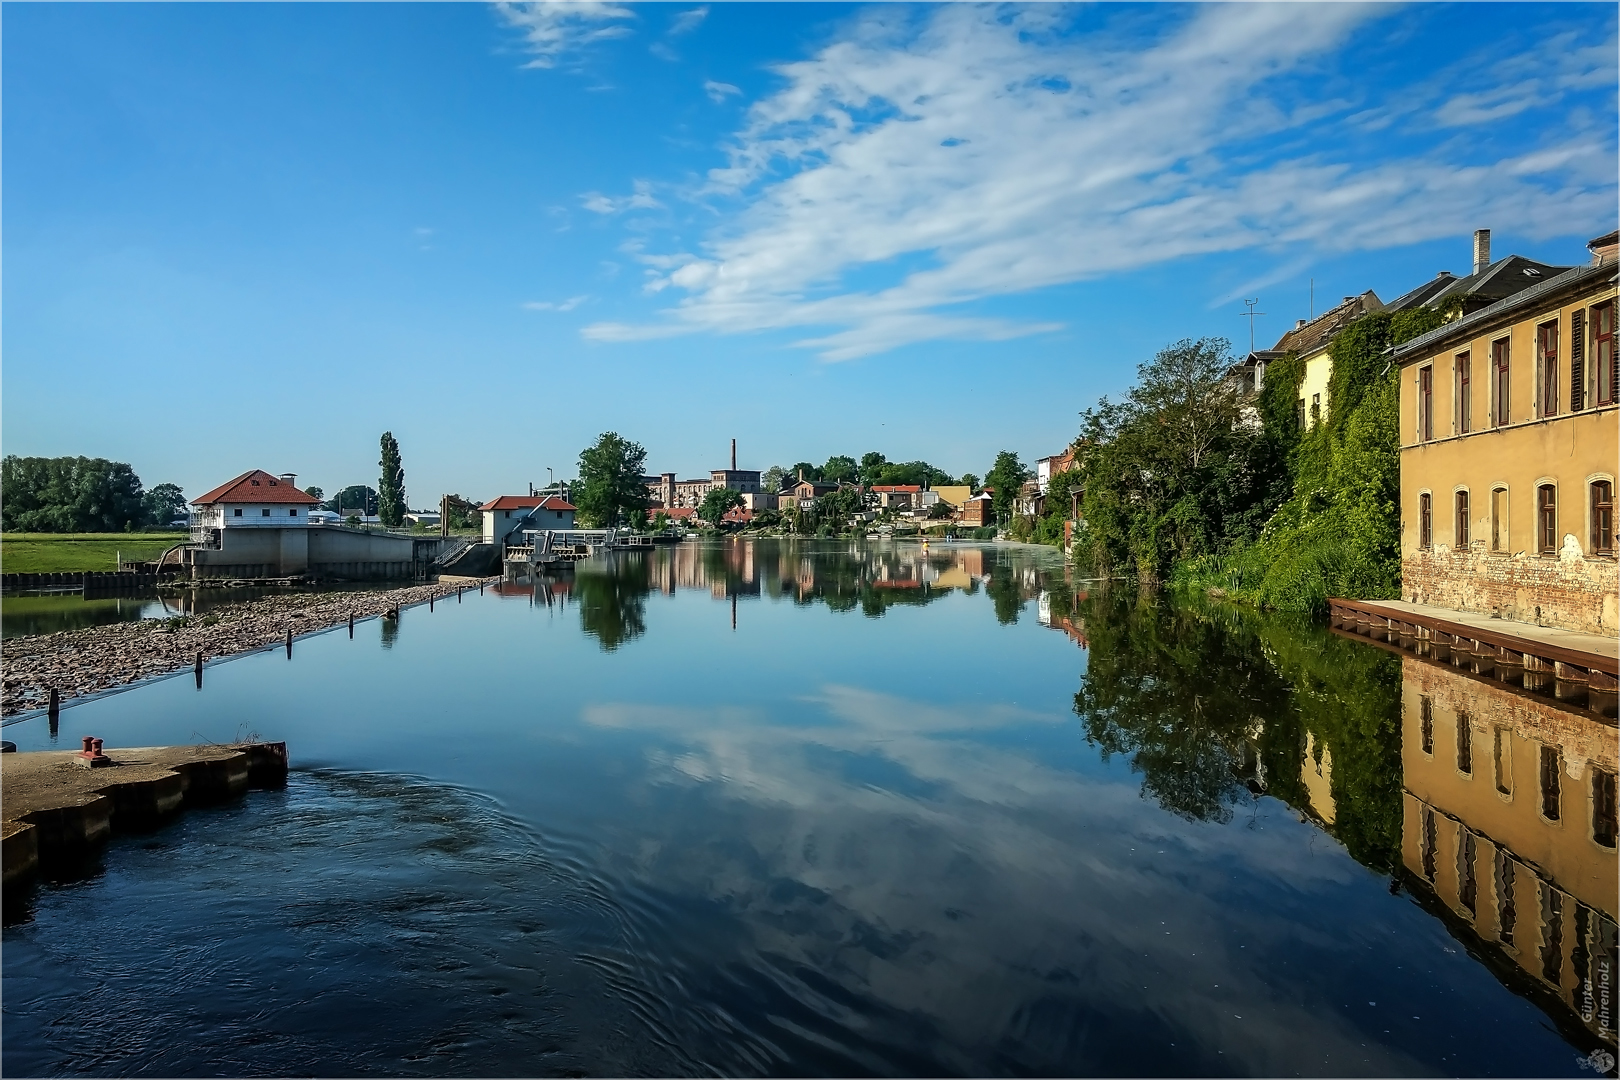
column 254, row 500
column 511, row 514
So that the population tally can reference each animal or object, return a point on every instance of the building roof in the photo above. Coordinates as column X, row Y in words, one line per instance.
column 1315, row 334
column 674, row 512
column 528, row 502
column 256, row 486
column 1501, row 279
column 1575, row 276
column 1423, row 293
column 895, row 488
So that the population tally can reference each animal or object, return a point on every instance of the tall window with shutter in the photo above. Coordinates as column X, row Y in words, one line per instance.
column 1577, row 360
column 1601, row 541
column 1465, row 394
column 1605, row 362
column 1547, row 519
column 1460, row 528
column 1547, row 368
column 1425, row 404
column 1425, row 520
column 1499, row 383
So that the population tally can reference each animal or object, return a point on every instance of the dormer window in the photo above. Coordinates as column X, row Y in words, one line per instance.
column 1531, row 271
column 255, row 483
column 272, row 483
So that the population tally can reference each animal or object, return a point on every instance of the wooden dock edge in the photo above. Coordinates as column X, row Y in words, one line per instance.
column 85, row 820
column 1600, row 672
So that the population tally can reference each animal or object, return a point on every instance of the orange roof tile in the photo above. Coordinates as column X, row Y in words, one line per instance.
column 256, row 486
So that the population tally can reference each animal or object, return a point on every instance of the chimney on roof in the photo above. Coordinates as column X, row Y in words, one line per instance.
column 289, row 479
column 733, row 455
column 1300, row 325
column 801, row 476
column 1482, row 249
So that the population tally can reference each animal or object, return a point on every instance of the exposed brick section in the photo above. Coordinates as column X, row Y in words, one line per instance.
column 1572, row 591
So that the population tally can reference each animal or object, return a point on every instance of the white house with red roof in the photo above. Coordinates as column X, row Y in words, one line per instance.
column 511, row 514
column 257, row 500
column 258, row 526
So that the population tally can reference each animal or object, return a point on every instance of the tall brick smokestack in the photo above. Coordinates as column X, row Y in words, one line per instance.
column 1482, row 249
column 733, row 455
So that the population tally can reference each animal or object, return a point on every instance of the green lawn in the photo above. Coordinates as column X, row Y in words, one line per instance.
column 49, row 553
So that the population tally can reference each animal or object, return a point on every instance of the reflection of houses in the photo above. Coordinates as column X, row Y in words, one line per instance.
column 1071, row 624
column 1509, row 444
column 1509, row 820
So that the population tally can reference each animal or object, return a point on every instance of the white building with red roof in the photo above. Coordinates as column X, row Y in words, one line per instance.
column 256, row 499
column 258, row 526
column 511, row 514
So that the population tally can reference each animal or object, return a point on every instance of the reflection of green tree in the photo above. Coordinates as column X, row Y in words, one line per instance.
column 1005, row 592
column 1214, row 703
column 613, row 603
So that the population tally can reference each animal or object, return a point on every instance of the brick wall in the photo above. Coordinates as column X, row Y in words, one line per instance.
column 1572, row 592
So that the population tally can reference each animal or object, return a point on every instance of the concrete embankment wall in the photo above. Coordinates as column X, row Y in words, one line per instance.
column 93, row 580
column 328, row 551
column 55, row 811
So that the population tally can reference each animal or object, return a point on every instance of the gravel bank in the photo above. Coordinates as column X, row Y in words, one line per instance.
column 99, row 658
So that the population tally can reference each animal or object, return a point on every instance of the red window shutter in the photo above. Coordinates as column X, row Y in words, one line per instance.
column 1577, row 361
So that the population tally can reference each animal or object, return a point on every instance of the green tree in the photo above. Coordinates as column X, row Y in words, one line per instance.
column 70, row 494
column 315, row 493
column 839, row 469
column 775, row 479
column 1006, row 476
column 354, row 499
column 610, row 483
column 970, row 481
column 718, row 502
column 164, row 503
column 391, row 505
column 871, row 470
column 804, row 469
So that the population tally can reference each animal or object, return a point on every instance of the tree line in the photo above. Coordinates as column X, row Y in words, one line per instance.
column 81, row 494
column 1190, row 480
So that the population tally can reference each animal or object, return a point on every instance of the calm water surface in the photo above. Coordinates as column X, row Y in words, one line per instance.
column 809, row 808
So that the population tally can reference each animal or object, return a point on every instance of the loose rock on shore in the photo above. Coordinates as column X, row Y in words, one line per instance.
column 97, row 658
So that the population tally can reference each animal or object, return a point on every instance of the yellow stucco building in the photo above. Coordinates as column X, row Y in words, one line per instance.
column 1510, row 431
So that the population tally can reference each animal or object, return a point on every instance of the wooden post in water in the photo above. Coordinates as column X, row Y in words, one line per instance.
column 289, row 643
column 54, row 708
column 430, row 601
column 198, row 669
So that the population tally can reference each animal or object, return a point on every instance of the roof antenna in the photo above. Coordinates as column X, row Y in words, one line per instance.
column 1250, row 314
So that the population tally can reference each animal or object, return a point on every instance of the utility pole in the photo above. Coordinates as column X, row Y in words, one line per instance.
column 1251, row 315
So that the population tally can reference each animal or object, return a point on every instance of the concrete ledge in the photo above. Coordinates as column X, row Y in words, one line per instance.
column 51, row 809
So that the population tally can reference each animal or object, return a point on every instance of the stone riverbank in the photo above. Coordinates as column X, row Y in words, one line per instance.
column 98, row 658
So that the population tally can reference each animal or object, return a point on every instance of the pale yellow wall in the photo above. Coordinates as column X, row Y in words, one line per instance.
column 955, row 495
column 1318, row 371
column 1569, row 450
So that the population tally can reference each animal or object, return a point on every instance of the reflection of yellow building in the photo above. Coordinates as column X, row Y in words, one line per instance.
column 1509, row 817
column 1316, row 773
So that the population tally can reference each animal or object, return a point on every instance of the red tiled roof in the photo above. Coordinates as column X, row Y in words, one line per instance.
column 673, row 512
column 529, row 502
column 256, row 486
column 896, row 487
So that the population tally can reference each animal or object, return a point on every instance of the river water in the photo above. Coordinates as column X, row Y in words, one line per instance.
column 821, row 808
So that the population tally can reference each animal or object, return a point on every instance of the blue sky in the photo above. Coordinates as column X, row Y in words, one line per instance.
column 256, row 236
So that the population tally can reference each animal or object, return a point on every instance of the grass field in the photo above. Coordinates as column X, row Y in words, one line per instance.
column 49, row 553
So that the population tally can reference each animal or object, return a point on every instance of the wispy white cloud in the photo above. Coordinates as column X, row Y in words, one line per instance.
column 563, row 305
column 688, row 20
column 552, row 29
column 719, row 91
column 921, row 163
column 640, row 198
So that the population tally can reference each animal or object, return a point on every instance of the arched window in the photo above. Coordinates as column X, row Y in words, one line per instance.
column 1425, row 520
column 1602, row 538
column 1500, row 538
column 1547, row 519
column 1460, row 529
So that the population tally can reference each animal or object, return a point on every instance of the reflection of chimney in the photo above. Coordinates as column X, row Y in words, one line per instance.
column 1482, row 249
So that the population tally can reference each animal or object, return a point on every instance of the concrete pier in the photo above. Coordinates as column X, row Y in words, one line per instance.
column 53, row 806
